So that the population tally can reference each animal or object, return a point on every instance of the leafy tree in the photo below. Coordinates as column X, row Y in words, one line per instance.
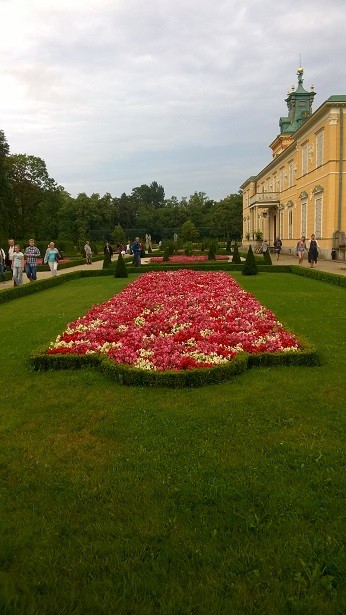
column 32, row 191
column 118, row 235
column 4, row 185
column 153, row 196
column 225, row 217
column 189, row 231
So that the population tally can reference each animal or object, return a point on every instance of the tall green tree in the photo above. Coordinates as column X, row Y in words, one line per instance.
column 31, row 189
column 225, row 217
column 4, row 186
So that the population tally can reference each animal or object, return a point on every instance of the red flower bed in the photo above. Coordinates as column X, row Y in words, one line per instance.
column 187, row 259
column 176, row 320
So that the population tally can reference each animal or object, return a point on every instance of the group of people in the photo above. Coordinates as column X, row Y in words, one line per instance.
column 19, row 262
column 277, row 246
column 311, row 249
column 301, row 249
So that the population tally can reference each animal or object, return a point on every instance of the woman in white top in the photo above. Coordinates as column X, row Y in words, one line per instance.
column 17, row 266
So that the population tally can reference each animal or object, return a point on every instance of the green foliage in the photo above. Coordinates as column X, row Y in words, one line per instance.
column 107, row 261
column 259, row 236
column 238, row 483
column 168, row 246
column 189, row 232
column 267, row 258
column 120, row 267
column 213, row 247
column 250, row 266
column 236, row 256
column 119, row 236
column 189, row 248
column 128, row 375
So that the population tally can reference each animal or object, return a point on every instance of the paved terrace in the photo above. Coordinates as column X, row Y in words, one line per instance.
column 338, row 267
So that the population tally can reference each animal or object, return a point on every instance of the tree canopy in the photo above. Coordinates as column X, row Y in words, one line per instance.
column 33, row 204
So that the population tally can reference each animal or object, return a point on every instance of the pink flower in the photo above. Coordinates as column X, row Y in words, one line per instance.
column 176, row 320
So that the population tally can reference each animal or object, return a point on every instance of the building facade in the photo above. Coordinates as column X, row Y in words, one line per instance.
column 303, row 189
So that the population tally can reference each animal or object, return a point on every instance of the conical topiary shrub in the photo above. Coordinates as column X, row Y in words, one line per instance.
column 120, row 268
column 107, row 261
column 267, row 258
column 213, row 246
column 250, row 265
column 236, row 256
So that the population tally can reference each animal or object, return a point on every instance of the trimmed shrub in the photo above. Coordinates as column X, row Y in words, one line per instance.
column 120, row 268
column 267, row 258
column 236, row 256
column 250, row 265
column 213, row 246
column 107, row 261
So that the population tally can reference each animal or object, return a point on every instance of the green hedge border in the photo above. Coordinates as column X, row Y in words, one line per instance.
column 192, row 378
column 131, row 376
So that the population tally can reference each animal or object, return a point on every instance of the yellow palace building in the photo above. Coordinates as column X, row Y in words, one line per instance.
column 303, row 189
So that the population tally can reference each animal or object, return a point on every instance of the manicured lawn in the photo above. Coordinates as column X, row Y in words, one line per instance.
column 224, row 499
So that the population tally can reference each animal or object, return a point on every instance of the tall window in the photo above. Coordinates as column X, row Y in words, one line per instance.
column 303, row 214
column 282, row 230
column 319, row 148
column 304, row 159
column 290, row 223
column 318, row 217
column 282, row 179
column 290, row 174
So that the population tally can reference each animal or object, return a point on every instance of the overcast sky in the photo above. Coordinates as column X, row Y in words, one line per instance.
column 113, row 94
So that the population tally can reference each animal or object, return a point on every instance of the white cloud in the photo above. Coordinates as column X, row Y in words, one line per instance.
column 111, row 92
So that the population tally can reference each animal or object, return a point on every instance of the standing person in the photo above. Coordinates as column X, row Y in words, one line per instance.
column 108, row 249
column 31, row 253
column 9, row 253
column 313, row 250
column 88, row 253
column 136, row 249
column 301, row 249
column 2, row 265
column 277, row 247
column 264, row 247
column 51, row 257
column 17, row 266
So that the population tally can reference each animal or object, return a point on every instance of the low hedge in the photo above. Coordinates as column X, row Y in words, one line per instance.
column 323, row 276
column 132, row 376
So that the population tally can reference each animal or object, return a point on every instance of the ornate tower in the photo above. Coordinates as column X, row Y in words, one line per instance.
column 299, row 103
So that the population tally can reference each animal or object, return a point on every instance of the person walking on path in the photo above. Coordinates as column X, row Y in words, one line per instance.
column 88, row 253
column 277, row 247
column 51, row 257
column 264, row 246
column 17, row 266
column 313, row 251
column 301, row 249
column 9, row 253
column 136, row 249
column 31, row 253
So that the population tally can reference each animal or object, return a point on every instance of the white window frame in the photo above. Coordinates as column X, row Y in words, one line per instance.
column 318, row 215
column 319, row 148
column 305, row 158
column 290, row 174
column 290, row 222
column 303, row 217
